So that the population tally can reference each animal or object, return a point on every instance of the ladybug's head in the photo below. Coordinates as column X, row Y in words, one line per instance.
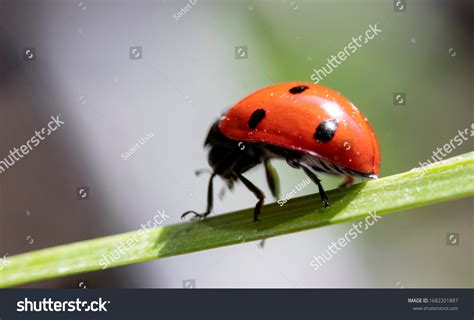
column 223, row 152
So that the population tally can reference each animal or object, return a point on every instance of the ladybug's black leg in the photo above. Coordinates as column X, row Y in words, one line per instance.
column 222, row 192
column 210, row 201
column 314, row 177
column 256, row 191
column 230, row 186
column 272, row 178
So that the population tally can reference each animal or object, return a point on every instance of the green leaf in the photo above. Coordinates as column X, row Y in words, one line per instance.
column 446, row 180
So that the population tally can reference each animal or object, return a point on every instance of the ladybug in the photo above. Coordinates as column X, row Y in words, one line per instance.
column 310, row 126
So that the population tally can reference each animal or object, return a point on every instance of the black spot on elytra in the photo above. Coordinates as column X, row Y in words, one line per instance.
column 325, row 131
column 298, row 89
column 255, row 118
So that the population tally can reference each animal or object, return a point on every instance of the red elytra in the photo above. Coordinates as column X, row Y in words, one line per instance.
column 291, row 120
column 310, row 126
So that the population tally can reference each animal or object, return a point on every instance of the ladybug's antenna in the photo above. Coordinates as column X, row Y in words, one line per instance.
column 201, row 171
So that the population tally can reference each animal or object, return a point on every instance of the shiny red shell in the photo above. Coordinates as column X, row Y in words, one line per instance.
column 291, row 120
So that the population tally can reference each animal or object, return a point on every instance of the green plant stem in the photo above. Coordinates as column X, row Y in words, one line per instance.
column 446, row 180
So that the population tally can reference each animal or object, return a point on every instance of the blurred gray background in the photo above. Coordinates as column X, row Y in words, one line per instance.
column 183, row 73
